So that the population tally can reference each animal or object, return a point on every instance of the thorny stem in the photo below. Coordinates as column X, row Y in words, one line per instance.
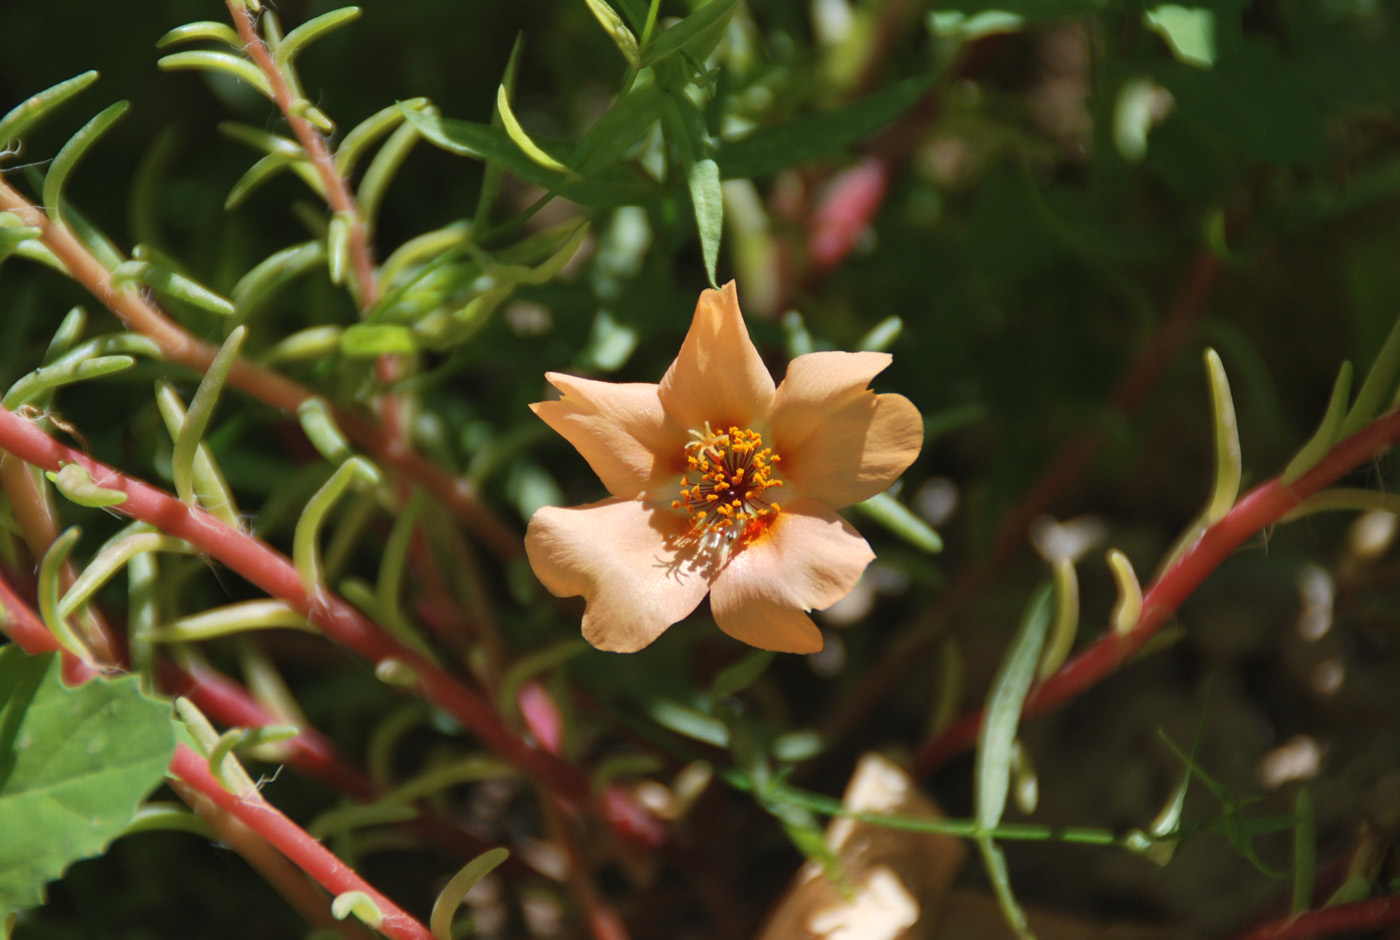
column 179, row 347
column 1067, row 468
column 1260, row 508
column 274, row 573
column 293, row 842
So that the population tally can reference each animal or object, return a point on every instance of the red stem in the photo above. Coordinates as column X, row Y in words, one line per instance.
column 274, row 573
column 1261, row 507
column 1344, row 918
column 294, row 842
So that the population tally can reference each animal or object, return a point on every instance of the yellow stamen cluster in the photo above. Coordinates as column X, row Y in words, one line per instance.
column 727, row 474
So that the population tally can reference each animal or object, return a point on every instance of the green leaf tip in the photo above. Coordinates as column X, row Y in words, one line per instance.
column 1228, row 462
column 75, row 483
column 450, row 898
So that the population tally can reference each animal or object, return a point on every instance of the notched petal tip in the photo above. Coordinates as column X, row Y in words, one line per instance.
column 718, row 375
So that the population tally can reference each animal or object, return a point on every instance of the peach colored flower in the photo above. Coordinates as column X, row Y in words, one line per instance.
column 721, row 484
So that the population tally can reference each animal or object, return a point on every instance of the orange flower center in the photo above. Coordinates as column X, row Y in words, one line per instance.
column 727, row 475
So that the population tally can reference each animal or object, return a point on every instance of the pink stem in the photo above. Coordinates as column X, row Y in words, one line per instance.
column 1263, row 506
column 1374, row 914
column 294, row 842
column 274, row 573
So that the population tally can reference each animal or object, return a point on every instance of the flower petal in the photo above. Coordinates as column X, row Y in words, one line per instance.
column 624, row 557
column 840, row 442
column 619, row 428
column 717, row 376
column 809, row 558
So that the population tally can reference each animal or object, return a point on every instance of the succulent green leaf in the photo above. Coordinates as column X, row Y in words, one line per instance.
column 493, row 145
column 203, row 31
column 294, row 42
column 265, row 169
column 216, row 61
column 363, row 135
column 1229, row 467
column 994, row 862
column 19, row 120
column 901, row 520
column 381, row 171
column 522, row 139
column 450, row 898
column 617, row 31
column 206, row 397
column 1377, row 385
column 1328, row 432
column 73, row 151
column 43, row 381
column 171, row 284
column 78, row 762
column 770, row 149
column 697, row 34
column 112, row 557
column 368, row 340
column 75, row 483
column 274, row 272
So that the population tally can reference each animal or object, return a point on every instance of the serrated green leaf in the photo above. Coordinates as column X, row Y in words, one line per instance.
column 77, row 764
column 21, row 119
column 73, row 151
column 697, row 34
column 770, row 149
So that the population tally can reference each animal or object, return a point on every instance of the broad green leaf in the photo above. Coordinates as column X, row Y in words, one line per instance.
column 697, row 34
column 686, row 124
column 493, row 145
column 1189, row 31
column 622, row 126
column 770, row 149
column 76, row 765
